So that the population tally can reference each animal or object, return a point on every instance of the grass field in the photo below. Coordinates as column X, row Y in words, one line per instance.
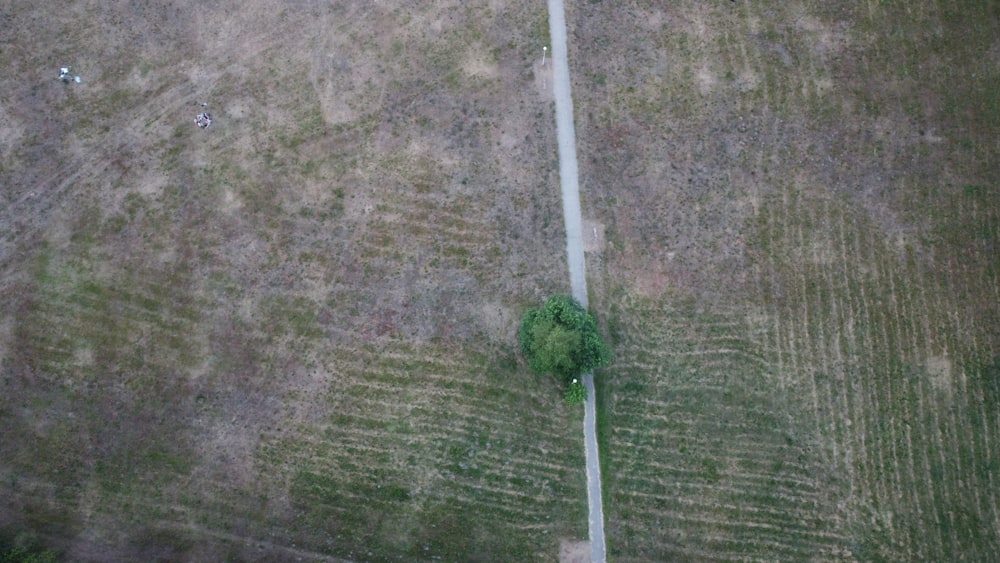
column 800, row 277
column 290, row 335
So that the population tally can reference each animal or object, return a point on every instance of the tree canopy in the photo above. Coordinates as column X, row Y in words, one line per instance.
column 561, row 338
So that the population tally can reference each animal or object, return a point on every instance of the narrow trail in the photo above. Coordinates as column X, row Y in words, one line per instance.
column 568, row 179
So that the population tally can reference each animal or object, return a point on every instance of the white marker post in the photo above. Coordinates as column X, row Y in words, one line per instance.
column 544, row 49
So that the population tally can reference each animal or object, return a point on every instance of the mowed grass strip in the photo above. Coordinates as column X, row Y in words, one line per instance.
column 405, row 455
column 902, row 383
column 704, row 456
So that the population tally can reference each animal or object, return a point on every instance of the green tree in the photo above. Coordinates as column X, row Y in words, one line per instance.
column 561, row 338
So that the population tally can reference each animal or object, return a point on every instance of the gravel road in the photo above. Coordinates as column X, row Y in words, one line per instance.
column 574, row 256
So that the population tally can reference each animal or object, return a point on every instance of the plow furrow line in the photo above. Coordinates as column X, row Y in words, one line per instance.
column 869, row 378
column 735, row 485
column 921, row 338
column 701, row 514
column 440, row 362
column 893, row 328
column 666, row 348
column 761, row 457
column 834, row 387
column 752, row 449
column 801, row 478
column 446, row 427
column 846, row 345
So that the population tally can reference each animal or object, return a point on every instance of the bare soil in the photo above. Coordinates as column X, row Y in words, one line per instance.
column 574, row 551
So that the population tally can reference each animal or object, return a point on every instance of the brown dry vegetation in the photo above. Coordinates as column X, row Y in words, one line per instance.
column 800, row 280
column 289, row 335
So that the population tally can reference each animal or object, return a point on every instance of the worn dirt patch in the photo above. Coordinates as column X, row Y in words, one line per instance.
column 10, row 132
column 706, row 80
column 593, row 236
column 939, row 369
column 574, row 551
column 498, row 319
column 478, row 62
column 543, row 77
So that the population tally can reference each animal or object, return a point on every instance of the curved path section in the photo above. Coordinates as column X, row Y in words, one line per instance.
column 574, row 255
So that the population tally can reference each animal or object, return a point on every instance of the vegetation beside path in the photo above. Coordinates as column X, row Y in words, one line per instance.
column 561, row 339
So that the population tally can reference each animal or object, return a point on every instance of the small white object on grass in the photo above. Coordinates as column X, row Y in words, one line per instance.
column 76, row 79
column 544, row 50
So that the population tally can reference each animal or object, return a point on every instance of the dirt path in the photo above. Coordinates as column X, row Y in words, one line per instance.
column 574, row 255
column 567, row 152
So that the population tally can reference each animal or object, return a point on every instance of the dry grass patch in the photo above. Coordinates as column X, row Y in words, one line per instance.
column 799, row 202
column 281, row 336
